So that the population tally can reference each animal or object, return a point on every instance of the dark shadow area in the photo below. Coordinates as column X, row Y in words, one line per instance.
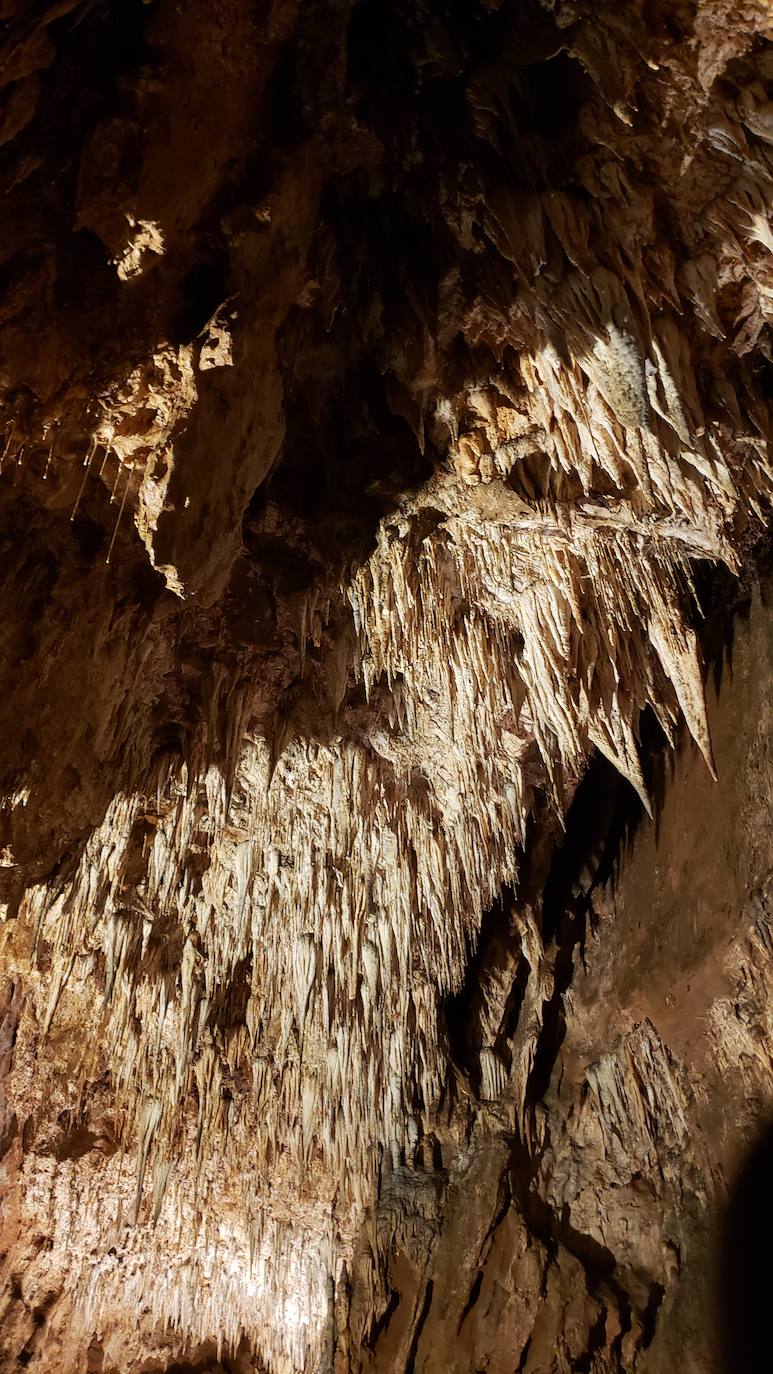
column 603, row 815
column 203, row 288
column 560, row 871
column 425, row 85
column 725, row 600
column 745, row 1267
column 461, row 1012
column 203, row 1359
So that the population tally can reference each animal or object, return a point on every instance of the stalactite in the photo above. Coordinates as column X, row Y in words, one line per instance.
column 263, row 917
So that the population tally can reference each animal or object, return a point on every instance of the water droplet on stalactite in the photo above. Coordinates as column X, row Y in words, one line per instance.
column 7, row 445
column 87, row 461
column 129, row 476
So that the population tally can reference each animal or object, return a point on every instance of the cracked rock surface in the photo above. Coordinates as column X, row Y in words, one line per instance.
column 385, row 393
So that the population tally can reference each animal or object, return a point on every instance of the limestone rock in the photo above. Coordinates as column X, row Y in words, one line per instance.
column 378, row 381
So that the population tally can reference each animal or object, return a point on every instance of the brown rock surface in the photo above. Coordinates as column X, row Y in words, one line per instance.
column 377, row 380
column 578, row 1223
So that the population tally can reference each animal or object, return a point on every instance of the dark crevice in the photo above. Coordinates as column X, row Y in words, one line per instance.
column 521, row 1365
column 410, row 1363
column 512, row 1010
column 725, row 599
column 624, row 1317
column 204, row 287
column 462, row 1009
column 597, row 1260
column 604, row 813
column 498, row 944
column 382, row 1324
column 596, row 1341
column 472, row 1298
column 743, row 1277
column 649, row 1318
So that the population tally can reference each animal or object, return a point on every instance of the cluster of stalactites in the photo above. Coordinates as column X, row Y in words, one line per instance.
column 350, row 879
column 348, row 876
column 213, row 1274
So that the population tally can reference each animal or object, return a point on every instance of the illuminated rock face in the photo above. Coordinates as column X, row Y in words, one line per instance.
column 375, row 381
column 572, row 1218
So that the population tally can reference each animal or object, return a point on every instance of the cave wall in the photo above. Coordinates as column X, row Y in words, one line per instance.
column 376, row 382
column 589, row 1213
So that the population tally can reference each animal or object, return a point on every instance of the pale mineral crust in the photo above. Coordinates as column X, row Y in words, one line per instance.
column 380, row 384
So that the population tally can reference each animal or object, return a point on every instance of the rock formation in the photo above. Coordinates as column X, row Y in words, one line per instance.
column 384, row 395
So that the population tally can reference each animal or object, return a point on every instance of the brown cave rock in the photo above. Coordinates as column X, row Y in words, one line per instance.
column 386, row 686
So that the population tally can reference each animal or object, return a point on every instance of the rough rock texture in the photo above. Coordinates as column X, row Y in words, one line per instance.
column 375, row 380
column 576, row 1222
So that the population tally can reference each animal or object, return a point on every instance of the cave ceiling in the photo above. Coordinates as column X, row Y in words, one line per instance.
column 376, row 381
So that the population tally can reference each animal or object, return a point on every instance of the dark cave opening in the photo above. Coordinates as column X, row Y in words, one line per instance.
column 745, row 1270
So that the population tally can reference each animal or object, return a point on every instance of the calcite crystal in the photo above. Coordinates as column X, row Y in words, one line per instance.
column 376, row 381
